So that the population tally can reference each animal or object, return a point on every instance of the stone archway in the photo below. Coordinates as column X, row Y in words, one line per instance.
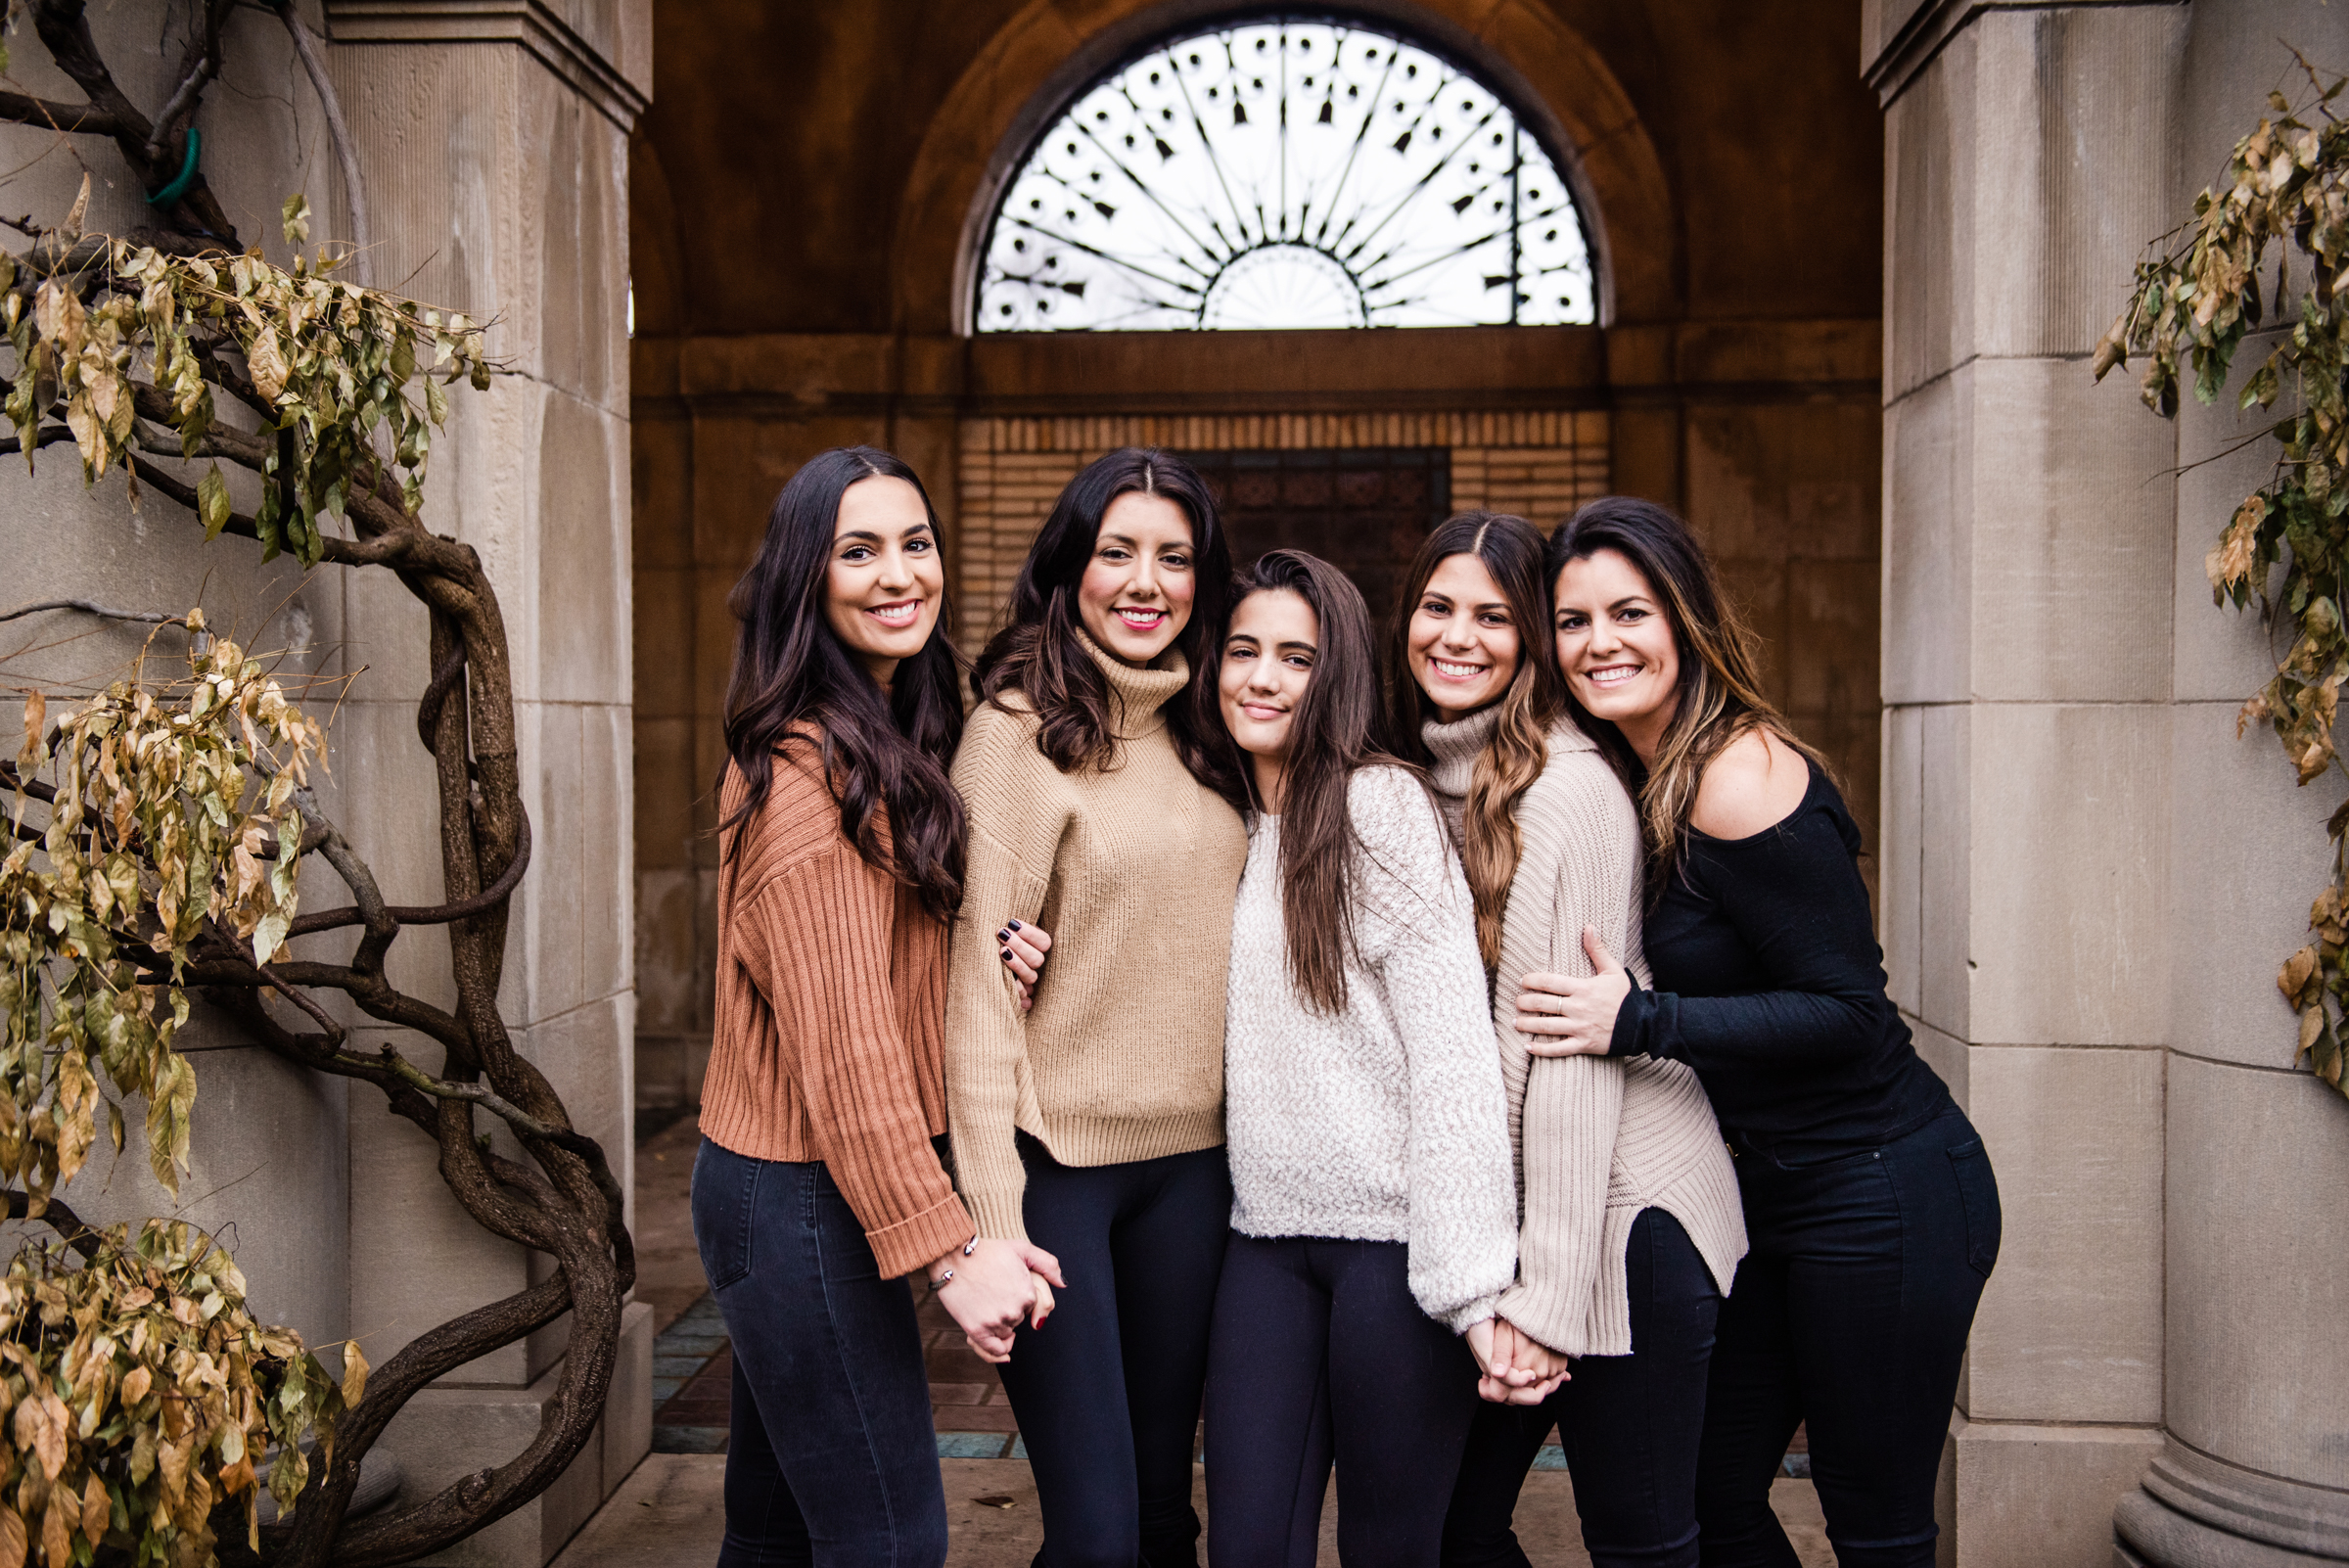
column 1046, row 53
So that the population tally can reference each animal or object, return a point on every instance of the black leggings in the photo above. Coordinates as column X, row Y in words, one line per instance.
column 1321, row 1356
column 1630, row 1426
column 1107, row 1392
column 1851, row 1312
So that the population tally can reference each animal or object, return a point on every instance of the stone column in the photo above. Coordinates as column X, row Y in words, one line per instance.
column 2088, row 881
column 494, row 142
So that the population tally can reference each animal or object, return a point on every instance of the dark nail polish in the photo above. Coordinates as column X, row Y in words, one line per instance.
column 1006, row 956
column 1015, row 925
column 1002, row 935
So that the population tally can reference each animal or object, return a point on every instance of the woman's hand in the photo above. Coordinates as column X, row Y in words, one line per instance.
column 1023, row 949
column 1573, row 1017
column 1517, row 1368
column 993, row 1288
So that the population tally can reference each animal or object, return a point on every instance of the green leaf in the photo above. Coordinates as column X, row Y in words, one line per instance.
column 296, row 217
column 211, row 501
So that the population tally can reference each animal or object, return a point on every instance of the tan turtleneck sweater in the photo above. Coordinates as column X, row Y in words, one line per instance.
column 1599, row 1138
column 1132, row 870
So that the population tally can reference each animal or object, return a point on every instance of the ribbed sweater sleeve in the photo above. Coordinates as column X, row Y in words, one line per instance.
column 1457, row 1173
column 815, row 940
column 1580, row 866
column 1007, row 787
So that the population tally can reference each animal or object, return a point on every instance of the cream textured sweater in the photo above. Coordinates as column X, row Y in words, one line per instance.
column 1386, row 1121
column 1132, row 870
column 1599, row 1138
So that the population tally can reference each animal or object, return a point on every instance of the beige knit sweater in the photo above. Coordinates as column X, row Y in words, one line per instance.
column 1599, row 1138
column 1132, row 870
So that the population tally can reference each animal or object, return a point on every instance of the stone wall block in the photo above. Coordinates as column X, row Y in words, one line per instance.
column 1928, row 183
column 382, row 795
column 579, row 619
column 2073, row 137
column 660, row 628
column 1927, row 654
column 661, row 477
column 2070, row 1325
column 578, row 162
column 2258, row 1265
column 667, row 956
column 1899, row 893
column 1945, row 870
column 444, row 1434
column 2076, row 872
column 2249, row 852
column 417, row 1257
column 2071, row 536
column 2044, row 1494
column 606, row 915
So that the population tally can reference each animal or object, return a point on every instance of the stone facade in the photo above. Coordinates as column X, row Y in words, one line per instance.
column 2088, row 881
column 493, row 140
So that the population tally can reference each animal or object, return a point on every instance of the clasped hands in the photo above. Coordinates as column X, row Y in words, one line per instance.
column 1000, row 1285
column 1512, row 1366
column 1563, row 1016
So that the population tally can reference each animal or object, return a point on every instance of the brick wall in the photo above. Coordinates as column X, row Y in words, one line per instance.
column 1541, row 465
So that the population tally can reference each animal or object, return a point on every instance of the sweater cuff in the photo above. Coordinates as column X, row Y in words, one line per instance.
column 999, row 1215
column 1476, row 1312
column 907, row 1245
column 1635, row 1021
column 1538, row 1313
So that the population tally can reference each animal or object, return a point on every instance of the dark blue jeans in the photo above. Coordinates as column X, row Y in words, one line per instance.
column 1850, row 1312
column 832, row 1458
column 1321, row 1356
column 1107, row 1392
column 1630, row 1426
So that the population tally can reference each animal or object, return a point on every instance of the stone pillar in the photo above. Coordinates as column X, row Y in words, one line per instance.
column 494, row 142
column 2087, row 881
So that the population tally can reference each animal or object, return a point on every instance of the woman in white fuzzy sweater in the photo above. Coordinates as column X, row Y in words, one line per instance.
column 1372, row 1215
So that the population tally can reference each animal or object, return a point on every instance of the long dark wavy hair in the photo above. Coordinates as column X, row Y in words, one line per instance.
column 1038, row 653
column 1490, row 847
column 1721, row 694
column 878, row 748
column 1332, row 732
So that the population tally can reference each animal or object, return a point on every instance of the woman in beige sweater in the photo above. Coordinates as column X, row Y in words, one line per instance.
column 1630, row 1227
column 1093, row 1124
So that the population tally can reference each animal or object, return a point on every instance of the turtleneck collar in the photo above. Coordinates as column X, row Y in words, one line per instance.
column 1456, row 747
column 1139, row 694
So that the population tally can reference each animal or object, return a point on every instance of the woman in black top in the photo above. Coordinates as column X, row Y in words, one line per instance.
column 1872, row 1207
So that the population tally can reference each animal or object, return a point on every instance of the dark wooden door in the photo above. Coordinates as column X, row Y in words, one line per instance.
column 1363, row 509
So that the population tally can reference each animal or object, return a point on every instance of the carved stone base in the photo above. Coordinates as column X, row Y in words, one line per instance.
column 2195, row 1511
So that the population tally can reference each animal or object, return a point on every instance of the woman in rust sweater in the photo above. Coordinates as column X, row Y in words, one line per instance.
column 817, row 1185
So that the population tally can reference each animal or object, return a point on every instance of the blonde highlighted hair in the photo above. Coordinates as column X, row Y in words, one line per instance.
column 1720, row 687
column 1510, row 550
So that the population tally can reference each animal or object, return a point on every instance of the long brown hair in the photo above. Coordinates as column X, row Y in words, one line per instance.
column 1038, row 653
column 1721, row 667
column 877, row 748
column 1331, row 735
column 1510, row 549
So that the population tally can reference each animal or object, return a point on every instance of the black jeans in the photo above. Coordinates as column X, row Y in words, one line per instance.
column 1851, row 1312
column 1107, row 1392
column 1321, row 1356
column 832, row 1458
column 1630, row 1426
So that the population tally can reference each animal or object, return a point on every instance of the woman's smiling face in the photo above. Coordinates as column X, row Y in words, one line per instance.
column 885, row 582
column 1267, row 664
column 1135, row 596
column 1615, row 643
column 1463, row 643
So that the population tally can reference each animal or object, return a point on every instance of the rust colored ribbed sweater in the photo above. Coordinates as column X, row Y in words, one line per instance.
column 831, row 999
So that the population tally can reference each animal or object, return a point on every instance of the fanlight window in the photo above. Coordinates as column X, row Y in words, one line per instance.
column 1286, row 173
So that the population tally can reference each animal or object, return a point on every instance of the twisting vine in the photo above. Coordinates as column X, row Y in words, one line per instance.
column 2287, row 185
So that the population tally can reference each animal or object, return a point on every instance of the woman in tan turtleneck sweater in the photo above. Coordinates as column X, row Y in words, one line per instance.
column 1630, row 1227
column 1093, row 1125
